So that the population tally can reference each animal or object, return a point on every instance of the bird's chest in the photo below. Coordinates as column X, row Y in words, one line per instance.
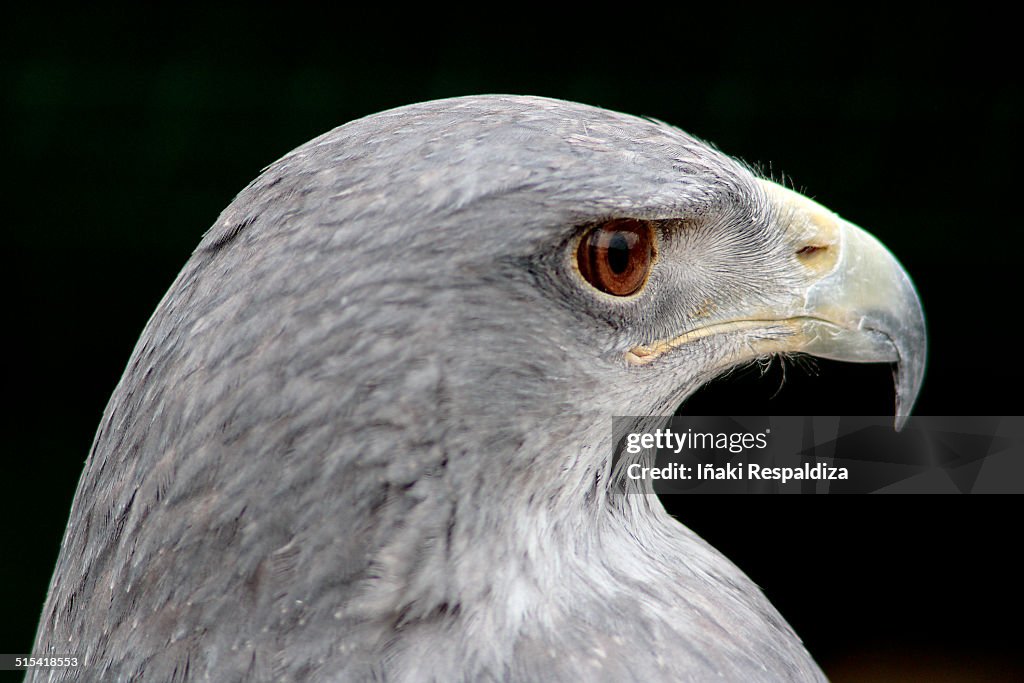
column 592, row 640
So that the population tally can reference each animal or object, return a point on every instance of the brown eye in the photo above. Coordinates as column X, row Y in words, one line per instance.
column 615, row 257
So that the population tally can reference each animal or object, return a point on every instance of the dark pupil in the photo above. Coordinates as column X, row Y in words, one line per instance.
column 618, row 253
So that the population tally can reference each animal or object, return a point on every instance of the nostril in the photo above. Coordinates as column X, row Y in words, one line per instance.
column 809, row 250
column 818, row 257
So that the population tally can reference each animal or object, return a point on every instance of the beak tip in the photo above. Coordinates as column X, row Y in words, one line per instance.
column 908, row 374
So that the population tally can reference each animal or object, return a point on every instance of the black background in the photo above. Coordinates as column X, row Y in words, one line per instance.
column 126, row 133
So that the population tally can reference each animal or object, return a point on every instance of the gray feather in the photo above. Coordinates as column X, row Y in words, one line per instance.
column 366, row 434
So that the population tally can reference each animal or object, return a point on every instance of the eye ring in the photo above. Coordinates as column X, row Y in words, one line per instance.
column 616, row 257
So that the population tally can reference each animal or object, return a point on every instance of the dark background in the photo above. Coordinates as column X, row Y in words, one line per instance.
column 126, row 133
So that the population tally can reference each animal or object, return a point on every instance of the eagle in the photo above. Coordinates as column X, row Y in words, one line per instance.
column 366, row 434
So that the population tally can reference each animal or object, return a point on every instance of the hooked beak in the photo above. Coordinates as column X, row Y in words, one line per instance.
column 858, row 305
